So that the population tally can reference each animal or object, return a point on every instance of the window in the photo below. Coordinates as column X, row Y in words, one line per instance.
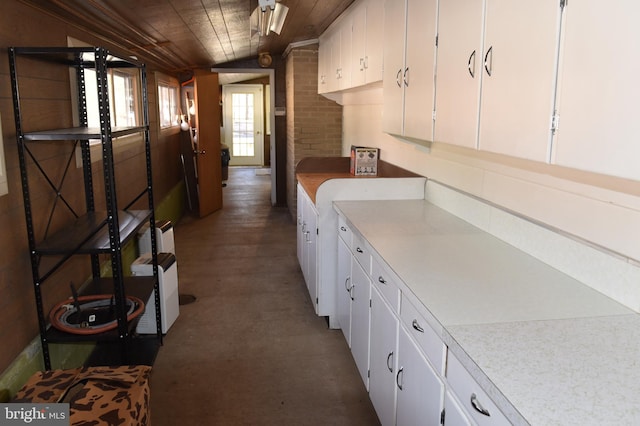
column 123, row 98
column 168, row 105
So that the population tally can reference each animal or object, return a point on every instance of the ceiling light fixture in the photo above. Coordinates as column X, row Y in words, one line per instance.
column 268, row 17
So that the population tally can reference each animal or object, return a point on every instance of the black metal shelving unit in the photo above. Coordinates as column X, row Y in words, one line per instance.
column 92, row 232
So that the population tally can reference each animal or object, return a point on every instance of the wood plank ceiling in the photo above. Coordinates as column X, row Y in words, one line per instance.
column 181, row 35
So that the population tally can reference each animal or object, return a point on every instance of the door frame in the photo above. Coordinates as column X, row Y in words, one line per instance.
column 272, row 148
column 259, row 130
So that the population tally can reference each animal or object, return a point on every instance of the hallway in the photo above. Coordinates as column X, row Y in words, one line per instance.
column 250, row 350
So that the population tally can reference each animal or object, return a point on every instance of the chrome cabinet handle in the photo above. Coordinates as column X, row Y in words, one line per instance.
column 417, row 326
column 478, row 407
column 359, row 250
column 472, row 57
column 400, row 371
column 398, row 77
column 343, row 229
column 390, row 357
column 346, row 287
column 488, row 61
column 405, row 77
column 382, row 280
column 197, row 152
column 362, row 67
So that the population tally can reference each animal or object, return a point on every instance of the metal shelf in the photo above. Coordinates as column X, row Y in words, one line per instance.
column 89, row 233
column 92, row 233
column 80, row 133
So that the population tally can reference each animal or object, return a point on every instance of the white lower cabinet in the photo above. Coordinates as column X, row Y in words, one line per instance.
column 360, row 311
column 383, row 358
column 454, row 414
column 307, row 249
column 343, row 304
column 420, row 389
column 475, row 402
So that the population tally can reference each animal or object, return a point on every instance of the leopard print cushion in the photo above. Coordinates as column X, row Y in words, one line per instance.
column 96, row 395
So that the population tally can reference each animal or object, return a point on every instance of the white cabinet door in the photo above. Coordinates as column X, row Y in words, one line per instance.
column 344, row 78
column 519, row 66
column 409, row 58
column 366, row 42
column 392, row 86
column 300, row 227
column 374, row 41
column 361, row 294
column 459, row 72
column 384, row 357
column 420, row 390
column 311, row 249
column 418, row 75
column 324, row 62
column 358, row 44
column 454, row 414
column 343, row 286
column 598, row 90
column 307, row 243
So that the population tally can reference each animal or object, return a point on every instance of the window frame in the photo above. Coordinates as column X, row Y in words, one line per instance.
column 173, row 87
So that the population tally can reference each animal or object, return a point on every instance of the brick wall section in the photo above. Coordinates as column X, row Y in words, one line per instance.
column 314, row 123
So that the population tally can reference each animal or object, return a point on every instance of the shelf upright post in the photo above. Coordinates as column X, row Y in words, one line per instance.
column 111, row 198
column 85, row 149
column 24, row 178
column 152, row 219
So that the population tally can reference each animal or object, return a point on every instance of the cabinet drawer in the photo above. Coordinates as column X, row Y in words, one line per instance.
column 473, row 399
column 360, row 252
column 424, row 335
column 344, row 231
column 386, row 283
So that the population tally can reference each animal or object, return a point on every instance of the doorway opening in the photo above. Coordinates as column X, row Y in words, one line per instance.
column 266, row 126
column 243, row 123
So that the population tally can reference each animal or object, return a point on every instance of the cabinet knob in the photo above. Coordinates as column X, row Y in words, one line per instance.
column 382, row 280
column 359, row 250
column 343, row 229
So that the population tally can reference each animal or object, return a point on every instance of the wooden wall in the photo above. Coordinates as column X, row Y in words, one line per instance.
column 48, row 105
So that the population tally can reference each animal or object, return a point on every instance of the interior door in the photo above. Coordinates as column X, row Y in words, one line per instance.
column 207, row 141
column 244, row 123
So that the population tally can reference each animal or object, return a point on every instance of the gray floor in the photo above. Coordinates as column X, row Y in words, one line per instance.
column 250, row 350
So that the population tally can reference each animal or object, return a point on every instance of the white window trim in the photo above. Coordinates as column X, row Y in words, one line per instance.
column 124, row 142
column 4, row 185
column 164, row 80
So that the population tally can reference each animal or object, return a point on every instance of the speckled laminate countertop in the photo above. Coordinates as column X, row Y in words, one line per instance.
column 548, row 349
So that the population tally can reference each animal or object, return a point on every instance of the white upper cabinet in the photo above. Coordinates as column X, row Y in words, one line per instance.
column 498, row 95
column 324, row 62
column 366, row 42
column 459, row 72
column 409, row 64
column 519, row 62
column 598, row 126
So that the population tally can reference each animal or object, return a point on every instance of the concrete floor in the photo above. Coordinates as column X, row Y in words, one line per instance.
column 250, row 350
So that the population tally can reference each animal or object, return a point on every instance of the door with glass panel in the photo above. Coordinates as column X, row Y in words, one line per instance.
column 243, row 123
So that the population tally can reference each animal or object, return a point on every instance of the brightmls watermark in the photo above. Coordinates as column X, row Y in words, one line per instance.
column 34, row 414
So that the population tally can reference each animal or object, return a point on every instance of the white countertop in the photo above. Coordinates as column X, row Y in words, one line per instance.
column 545, row 346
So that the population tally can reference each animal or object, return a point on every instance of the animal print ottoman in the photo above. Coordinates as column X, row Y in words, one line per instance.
column 96, row 395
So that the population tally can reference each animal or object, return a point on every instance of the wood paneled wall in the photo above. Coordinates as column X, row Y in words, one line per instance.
column 48, row 105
